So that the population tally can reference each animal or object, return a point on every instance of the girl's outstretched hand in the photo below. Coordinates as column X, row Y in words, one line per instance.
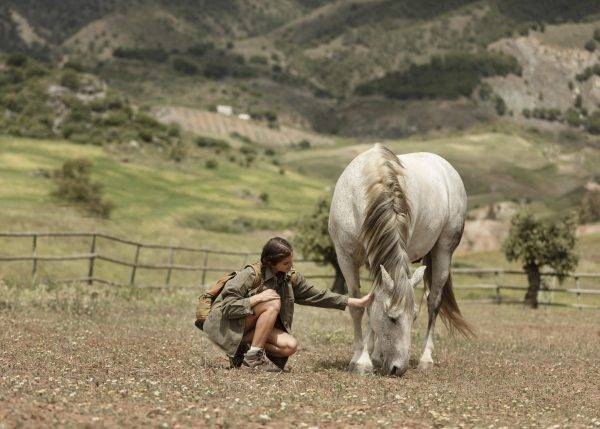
column 361, row 302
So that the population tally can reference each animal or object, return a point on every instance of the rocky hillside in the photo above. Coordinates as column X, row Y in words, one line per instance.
column 305, row 59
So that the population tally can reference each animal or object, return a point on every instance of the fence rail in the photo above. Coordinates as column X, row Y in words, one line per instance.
column 205, row 268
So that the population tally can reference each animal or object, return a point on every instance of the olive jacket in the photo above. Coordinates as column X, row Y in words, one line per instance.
column 225, row 323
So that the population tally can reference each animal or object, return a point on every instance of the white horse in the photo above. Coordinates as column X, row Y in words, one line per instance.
column 386, row 212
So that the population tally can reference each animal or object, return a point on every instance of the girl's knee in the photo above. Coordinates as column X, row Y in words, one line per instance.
column 273, row 305
column 291, row 346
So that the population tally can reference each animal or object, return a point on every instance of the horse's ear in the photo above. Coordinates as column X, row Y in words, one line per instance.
column 417, row 276
column 386, row 279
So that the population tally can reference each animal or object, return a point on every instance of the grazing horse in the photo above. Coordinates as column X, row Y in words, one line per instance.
column 388, row 211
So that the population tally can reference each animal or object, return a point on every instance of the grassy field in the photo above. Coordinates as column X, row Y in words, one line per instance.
column 81, row 357
column 164, row 202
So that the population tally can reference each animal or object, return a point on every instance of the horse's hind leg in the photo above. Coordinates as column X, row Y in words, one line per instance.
column 436, row 275
column 350, row 270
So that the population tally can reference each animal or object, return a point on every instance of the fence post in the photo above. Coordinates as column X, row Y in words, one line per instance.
column 34, row 253
column 204, row 267
column 92, row 259
column 497, row 282
column 578, row 293
column 170, row 267
column 135, row 264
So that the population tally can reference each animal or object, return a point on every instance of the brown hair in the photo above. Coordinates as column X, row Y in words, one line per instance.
column 275, row 251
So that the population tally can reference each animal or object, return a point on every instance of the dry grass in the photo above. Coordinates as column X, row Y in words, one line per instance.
column 89, row 357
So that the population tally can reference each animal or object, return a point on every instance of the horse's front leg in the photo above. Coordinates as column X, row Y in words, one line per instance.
column 350, row 272
column 364, row 365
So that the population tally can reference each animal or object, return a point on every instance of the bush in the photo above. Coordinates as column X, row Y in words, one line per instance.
column 201, row 49
column 527, row 113
column 597, row 34
column 211, row 164
column 209, row 142
column 185, row 67
column 500, row 105
column 70, row 80
column 258, row 59
column 74, row 186
column 142, row 54
column 592, row 123
column 573, row 118
column 215, row 71
column 264, row 197
column 303, row 144
column 590, row 45
column 16, row 60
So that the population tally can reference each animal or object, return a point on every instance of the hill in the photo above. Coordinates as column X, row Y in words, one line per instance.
column 305, row 58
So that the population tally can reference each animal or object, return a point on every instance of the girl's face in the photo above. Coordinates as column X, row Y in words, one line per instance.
column 285, row 265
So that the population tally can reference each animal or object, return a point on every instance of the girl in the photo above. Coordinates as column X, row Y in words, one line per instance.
column 253, row 324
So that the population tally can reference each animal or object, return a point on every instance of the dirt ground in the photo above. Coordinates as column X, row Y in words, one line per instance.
column 106, row 361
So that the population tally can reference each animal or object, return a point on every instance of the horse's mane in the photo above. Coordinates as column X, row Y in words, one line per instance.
column 384, row 231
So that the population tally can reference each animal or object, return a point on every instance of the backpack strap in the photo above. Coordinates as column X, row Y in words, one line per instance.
column 257, row 267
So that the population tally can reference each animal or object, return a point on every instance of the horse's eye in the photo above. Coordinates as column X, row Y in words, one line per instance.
column 394, row 320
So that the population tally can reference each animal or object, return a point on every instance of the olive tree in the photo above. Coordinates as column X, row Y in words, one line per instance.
column 538, row 244
column 314, row 241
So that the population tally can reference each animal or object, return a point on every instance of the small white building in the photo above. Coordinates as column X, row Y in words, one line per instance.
column 225, row 110
column 244, row 116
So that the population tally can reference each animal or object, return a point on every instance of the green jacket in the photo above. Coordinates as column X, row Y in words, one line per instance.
column 225, row 323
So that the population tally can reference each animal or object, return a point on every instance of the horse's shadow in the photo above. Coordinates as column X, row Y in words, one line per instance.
column 338, row 364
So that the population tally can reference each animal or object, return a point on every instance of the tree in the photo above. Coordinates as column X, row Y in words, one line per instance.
column 314, row 241
column 537, row 244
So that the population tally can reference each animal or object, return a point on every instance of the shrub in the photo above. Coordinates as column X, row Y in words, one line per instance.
column 185, row 67
column 592, row 123
column 264, row 197
column 178, row 151
column 573, row 118
column 215, row 71
column 527, row 113
column 258, row 59
column 500, row 105
column 304, row 144
column 201, row 49
column 590, row 45
column 70, row 80
column 142, row 54
column 485, row 91
column 74, row 65
column 16, row 60
column 597, row 34
column 211, row 164
column 74, row 186
column 209, row 142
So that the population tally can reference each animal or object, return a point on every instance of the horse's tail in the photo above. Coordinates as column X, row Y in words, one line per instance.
column 449, row 311
column 384, row 231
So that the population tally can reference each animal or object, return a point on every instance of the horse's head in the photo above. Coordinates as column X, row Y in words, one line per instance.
column 391, row 317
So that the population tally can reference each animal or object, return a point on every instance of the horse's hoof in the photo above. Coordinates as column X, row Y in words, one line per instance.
column 363, row 369
column 425, row 365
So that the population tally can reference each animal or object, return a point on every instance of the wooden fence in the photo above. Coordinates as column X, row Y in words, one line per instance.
column 495, row 286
